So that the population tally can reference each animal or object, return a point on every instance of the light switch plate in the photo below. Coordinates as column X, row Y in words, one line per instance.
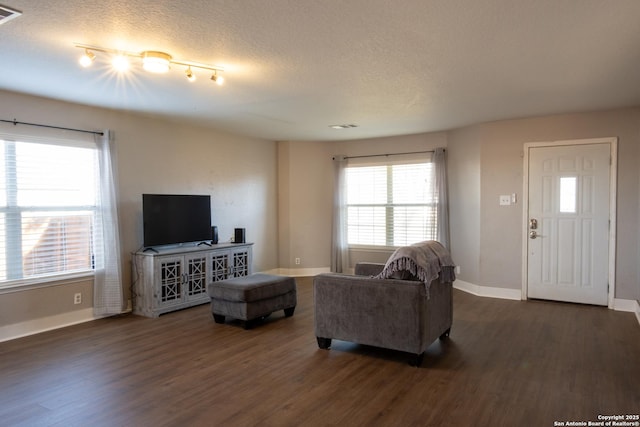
column 505, row 200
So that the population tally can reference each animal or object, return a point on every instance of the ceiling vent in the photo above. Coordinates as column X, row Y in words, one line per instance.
column 345, row 126
column 7, row 14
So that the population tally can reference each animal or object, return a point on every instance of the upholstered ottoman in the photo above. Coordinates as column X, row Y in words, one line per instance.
column 252, row 297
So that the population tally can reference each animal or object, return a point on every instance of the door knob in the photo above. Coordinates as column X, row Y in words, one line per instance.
column 533, row 234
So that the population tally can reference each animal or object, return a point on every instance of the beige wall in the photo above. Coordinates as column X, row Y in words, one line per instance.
column 305, row 204
column 240, row 174
column 305, row 221
column 282, row 192
column 498, row 150
column 485, row 161
column 464, row 168
column 44, row 302
column 159, row 156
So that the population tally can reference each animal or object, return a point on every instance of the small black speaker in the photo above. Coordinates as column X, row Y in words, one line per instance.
column 214, row 235
column 239, row 235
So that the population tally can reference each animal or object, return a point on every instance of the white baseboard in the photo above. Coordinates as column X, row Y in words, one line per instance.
column 35, row 326
column 624, row 305
column 298, row 272
column 487, row 291
column 629, row 305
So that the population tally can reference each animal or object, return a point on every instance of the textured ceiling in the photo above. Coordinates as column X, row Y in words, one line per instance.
column 294, row 67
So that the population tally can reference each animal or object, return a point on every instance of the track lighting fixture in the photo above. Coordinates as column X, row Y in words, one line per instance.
column 156, row 62
column 218, row 79
column 88, row 58
column 120, row 62
column 152, row 61
column 190, row 76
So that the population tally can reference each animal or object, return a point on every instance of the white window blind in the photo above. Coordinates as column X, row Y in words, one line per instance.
column 48, row 209
column 391, row 204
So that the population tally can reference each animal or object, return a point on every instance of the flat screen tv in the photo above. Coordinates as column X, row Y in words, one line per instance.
column 173, row 218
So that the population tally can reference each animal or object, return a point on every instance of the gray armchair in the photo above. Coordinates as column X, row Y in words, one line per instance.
column 390, row 313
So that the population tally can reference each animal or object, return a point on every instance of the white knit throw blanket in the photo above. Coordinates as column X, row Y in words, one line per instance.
column 425, row 261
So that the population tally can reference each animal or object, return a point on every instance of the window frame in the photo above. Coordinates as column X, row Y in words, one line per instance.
column 389, row 206
column 13, row 208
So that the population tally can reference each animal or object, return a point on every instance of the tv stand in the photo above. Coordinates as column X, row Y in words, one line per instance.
column 171, row 279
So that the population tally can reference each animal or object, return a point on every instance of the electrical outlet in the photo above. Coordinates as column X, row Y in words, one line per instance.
column 297, row 261
column 77, row 298
column 457, row 269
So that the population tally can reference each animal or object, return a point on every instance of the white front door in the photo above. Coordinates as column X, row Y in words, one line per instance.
column 568, row 223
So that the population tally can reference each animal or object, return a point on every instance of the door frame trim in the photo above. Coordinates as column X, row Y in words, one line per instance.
column 613, row 177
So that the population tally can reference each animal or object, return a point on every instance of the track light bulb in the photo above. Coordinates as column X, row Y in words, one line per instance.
column 87, row 59
column 190, row 76
column 218, row 79
column 120, row 63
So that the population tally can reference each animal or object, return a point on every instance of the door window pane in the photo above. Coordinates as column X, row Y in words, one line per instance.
column 568, row 194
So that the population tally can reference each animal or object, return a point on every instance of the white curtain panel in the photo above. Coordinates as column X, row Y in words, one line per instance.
column 440, row 163
column 107, row 292
column 339, row 248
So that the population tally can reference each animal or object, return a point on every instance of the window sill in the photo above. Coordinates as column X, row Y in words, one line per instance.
column 44, row 282
column 372, row 248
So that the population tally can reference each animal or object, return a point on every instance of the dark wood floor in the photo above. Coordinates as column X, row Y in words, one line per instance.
column 507, row 363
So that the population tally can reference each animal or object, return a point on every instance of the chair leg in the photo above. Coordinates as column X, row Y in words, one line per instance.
column 249, row 324
column 445, row 334
column 288, row 312
column 218, row 318
column 416, row 359
column 324, row 343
